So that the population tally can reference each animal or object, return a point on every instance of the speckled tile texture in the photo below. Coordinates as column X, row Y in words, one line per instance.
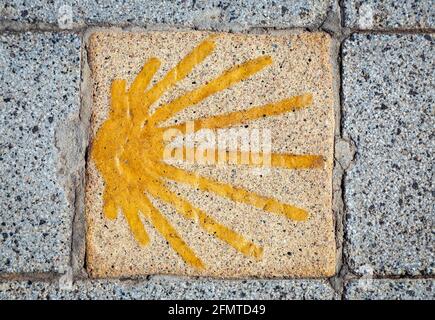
column 39, row 88
column 388, row 89
column 390, row 289
column 389, row 14
column 211, row 14
column 170, row 288
column 301, row 63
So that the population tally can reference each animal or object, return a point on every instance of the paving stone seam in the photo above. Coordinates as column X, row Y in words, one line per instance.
column 78, row 250
column 33, row 276
column 55, row 277
column 6, row 26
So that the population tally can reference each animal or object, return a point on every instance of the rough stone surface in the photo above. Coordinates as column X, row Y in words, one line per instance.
column 389, row 14
column 386, row 289
column 388, row 88
column 299, row 64
column 167, row 288
column 215, row 14
column 39, row 89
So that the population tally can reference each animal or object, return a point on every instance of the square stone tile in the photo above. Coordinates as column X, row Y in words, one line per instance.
column 39, row 92
column 149, row 214
column 388, row 112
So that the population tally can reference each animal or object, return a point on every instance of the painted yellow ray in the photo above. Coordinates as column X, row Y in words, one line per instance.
column 128, row 202
column 230, row 192
column 110, row 207
column 180, row 71
column 224, row 81
column 119, row 100
column 144, row 77
column 118, row 121
column 287, row 161
column 243, row 116
column 164, row 227
column 136, row 94
column 237, row 241
column 131, row 213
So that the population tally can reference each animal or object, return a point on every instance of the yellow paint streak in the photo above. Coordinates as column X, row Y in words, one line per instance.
column 291, row 161
column 206, row 222
column 230, row 192
column 180, row 71
column 136, row 93
column 224, row 81
column 131, row 214
column 165, row 228
column 119, row 104
column 287, row 161
column 110, row 208
column 243, row 116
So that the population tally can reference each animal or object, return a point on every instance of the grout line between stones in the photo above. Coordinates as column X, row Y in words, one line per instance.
column 56, row 277
column 34, row 276
column 13, row 26
column 78, row 248
column 332, row 24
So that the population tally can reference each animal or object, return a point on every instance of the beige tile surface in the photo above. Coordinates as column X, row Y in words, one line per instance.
column 300, row 65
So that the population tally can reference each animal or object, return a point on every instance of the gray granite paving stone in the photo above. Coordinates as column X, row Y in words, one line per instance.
column 39, row 89
column 389, row 14
column 386, row 289
column 190, row 13
column 388, row 89
column 170, row 288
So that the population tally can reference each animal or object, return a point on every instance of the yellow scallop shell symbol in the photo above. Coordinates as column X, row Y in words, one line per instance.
column 128, row 152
